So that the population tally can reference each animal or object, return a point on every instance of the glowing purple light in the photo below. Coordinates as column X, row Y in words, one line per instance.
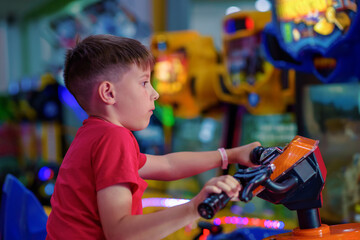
column 45, row 173
column 217, row 221
column 275, row 224
column 162, row 202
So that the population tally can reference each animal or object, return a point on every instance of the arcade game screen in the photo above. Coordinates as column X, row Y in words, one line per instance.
column 170, row 73
column 243, row 56
column 319, row 36
column 246, row 61
column 250, row 79
column 306, row 22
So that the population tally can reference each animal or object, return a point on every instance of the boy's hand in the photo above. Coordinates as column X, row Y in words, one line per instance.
column 241, row 155
column 224, row 183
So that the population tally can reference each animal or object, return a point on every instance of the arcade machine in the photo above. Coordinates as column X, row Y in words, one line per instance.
column 293, row 176
column 249, row 79
column 258, row 94
column 258, row 97
column 320, row 41
column 186, row 64
column 39, row 124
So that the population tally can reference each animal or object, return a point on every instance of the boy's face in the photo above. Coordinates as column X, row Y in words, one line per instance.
column 135, row 98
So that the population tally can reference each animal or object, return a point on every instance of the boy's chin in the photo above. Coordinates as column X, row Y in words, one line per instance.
column 139, row 128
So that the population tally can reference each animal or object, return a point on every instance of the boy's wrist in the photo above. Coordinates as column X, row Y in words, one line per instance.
column 224, row 158
column 193, row 207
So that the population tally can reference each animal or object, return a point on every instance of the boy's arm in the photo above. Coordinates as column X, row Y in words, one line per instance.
column 179, row 165
column 114, row 205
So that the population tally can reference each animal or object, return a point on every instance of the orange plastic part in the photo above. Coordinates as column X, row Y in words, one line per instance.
column 349, row 231
column 298, row 149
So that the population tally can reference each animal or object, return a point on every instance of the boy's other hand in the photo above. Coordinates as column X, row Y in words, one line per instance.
column 224, row 183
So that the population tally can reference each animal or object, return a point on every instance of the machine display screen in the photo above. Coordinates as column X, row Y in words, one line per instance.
column 170, row 73
column 245, row 61
column 311, row 24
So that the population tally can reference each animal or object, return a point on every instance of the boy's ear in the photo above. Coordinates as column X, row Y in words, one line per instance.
column 106, row 92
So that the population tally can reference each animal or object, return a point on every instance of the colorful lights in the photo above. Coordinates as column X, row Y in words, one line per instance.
column 238, row 24
column 49, row 188
column 253, row 99
column 46, row 189
column 170, row 73
column 274, row 224
column 45, row 174
column 263, row 5
column 162, row 202
column 244, row 221
column 249, row 23
column 238, row 221
column 232, row 9
column 206, row 233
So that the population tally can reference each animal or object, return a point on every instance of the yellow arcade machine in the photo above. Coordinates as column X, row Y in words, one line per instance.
column 248, row 79
column 185, row 68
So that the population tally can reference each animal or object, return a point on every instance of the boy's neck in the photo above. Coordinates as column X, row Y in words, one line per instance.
column 104, row 118
column 100, row 117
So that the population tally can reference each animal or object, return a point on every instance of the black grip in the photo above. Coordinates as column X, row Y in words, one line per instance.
column 211, row 205
column 282, row 187
column 255, row 155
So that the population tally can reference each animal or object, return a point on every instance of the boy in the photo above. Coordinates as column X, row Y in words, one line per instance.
column 100, row 183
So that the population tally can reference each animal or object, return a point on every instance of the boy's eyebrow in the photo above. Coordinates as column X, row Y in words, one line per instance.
column 145, row 75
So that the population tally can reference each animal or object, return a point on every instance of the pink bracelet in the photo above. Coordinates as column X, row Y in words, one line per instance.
column 224, row 158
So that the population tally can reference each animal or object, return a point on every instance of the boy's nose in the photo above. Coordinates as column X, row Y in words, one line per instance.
column 156, row 95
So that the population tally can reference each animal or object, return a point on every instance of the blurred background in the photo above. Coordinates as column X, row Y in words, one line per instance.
column 228, row 73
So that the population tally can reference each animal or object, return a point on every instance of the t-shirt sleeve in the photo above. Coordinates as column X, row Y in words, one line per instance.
column 142, row 160
column 116, row 159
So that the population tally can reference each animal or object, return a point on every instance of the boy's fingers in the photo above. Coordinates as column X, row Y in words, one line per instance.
column 225, row 183
column 213, row 189
column 228, row 186
column 223, row 186
column 231, row 188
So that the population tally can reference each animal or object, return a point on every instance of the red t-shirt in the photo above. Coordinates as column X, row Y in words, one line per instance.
column 101, row 155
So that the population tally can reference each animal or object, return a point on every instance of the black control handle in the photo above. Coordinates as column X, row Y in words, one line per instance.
column 249, row 179
column 255, row 155
column 211, row 205
column 282, row 187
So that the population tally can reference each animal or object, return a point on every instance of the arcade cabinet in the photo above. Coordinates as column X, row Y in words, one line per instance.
column 293, row 176
column 186, row 66
column 248, row 78
column 257, row 94
column 184, row 72
column 320, row 41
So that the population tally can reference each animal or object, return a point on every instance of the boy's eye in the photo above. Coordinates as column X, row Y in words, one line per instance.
column 144, row 83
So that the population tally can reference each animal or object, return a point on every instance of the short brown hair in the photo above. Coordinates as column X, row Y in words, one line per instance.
column 100, row 55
